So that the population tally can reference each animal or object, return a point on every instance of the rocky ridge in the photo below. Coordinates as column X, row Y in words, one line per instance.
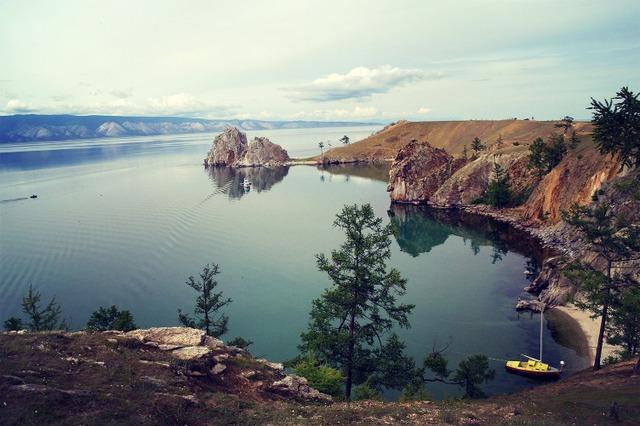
column 230, row 148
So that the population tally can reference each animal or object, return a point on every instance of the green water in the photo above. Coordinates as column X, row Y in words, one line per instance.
column 127, row 221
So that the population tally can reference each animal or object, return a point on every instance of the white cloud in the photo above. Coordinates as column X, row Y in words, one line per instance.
column 16, row 106
column 336, row 114
column 360, row 82
column 424, row 110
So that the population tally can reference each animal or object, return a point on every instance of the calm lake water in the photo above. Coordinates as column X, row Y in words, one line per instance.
column 126, row 221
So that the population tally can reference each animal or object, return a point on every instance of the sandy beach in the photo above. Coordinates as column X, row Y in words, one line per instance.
column 589, row 327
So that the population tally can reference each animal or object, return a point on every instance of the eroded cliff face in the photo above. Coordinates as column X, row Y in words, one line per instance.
column 575, row 180
column 230, row 148
column 418, row 171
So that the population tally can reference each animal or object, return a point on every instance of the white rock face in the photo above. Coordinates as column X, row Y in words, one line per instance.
column 176, row 336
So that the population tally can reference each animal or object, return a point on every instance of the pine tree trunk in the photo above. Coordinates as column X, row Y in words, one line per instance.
column 348, row 384
column 603, row 322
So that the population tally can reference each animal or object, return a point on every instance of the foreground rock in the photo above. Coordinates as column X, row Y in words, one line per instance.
column 230, row 148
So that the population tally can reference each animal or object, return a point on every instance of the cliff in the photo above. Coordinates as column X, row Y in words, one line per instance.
column 175, row 375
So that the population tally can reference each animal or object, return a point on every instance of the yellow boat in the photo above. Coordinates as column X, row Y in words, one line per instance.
column 532, row 367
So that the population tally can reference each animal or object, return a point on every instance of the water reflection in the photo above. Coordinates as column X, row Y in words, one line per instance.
column 418, row 229
column 375, row 171
column 237, row 182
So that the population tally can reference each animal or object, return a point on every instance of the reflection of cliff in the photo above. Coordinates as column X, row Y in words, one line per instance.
column 415, row 231
column 230, row 180
column 418, row 229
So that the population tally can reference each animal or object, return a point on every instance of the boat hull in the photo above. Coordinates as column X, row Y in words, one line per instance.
column 540, row 375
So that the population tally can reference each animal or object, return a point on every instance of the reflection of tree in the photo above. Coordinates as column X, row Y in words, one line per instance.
column 229, row 180
column 414, row 231
column 376, row 171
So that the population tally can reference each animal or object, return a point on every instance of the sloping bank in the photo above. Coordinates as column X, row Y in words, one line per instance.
column 423, row 174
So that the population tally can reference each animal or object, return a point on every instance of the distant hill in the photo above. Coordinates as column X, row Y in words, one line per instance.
column 35, row 127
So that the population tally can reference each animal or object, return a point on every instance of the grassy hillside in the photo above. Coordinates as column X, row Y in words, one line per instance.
column 450, row 135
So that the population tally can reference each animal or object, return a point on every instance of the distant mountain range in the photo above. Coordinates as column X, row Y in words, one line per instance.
column 34, row 127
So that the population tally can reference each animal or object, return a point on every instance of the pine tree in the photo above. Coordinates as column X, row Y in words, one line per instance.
column 617, row 126
column 536, row 157
column 111, row 319
column 498, row 192
column 554, row 151
column 477, row 146
column 353, row 314
column 574, row 140
column 465, row 154
column 41, row 318
column 208, row 304
column 615, row 243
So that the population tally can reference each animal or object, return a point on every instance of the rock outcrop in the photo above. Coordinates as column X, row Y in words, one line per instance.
column 230, row 148
column 263, row 152
column 418, row 171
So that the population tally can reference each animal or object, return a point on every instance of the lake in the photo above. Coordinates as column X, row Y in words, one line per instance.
column 126, row 221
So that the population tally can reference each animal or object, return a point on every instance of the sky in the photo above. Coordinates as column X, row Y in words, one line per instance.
column 317, row 60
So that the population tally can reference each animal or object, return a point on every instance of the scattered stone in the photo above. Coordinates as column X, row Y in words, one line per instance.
column 272, row 365
column 190, row 352
column 178, row 336
column 218, row 368
column 153, row 381
column 42, row 389
column 298, row 387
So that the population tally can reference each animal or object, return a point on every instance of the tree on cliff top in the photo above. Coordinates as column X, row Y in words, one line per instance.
column 111, row 319
column 603, row 285
column 477, row 146
column 566, row 123
column 353, row 314
column 208, row 304
column 617, row 126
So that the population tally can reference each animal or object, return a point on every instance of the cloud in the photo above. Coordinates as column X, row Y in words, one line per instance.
column 424, row 110
column 360, row 82
column 181, row 104
column 16, row 106
column 122, row 93
column 336, row 114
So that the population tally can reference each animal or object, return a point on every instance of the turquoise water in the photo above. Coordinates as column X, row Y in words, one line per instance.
column 126, row 221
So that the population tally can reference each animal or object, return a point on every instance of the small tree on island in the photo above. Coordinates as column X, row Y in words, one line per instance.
column 321, row 146
column 208, row 304
column 360, row 306
column 602, row 285
column 617, row 126
column 39, row 318
column 111, row 319
column 477, row 146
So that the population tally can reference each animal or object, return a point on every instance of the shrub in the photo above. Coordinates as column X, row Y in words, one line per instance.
column 111, row 319
column 321, row 377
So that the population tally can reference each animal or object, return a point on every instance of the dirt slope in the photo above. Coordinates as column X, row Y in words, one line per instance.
column 449, row 135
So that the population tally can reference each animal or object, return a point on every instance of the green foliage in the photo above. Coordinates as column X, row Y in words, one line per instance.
column 477, row 146
column 565, row 124
column 111, row 319
column 544, row 156
column 624, row 327
column 351, row 317
column 536, row 157
column 498, row 192
column 414, row 391
column 393, row 369
column 365, row 392
column 614, row 241
column 345, row 139
column 465, row 153
column 617, row 126
column 555, row 149
column 208, row 304
column 240, row 342
column 321, row 377
column 13, row 324
column 471, row 373
column 38, row 318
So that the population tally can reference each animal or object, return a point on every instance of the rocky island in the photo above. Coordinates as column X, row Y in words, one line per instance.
column 230, row 148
